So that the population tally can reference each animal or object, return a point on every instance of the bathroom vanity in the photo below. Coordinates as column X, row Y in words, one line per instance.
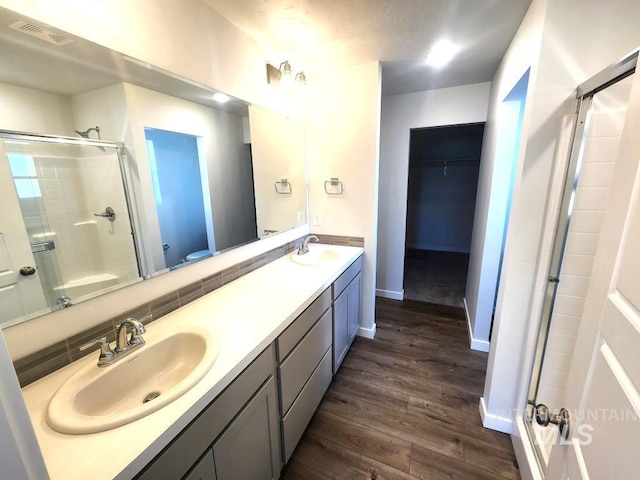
column 282, row 332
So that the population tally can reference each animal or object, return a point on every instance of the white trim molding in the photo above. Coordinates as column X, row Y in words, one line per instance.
column 390, row 294
column 367, row 332
column 474, row 344
column 493, row 421
column 525, row 455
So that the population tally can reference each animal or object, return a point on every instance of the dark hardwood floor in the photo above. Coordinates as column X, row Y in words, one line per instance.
column 405, row 406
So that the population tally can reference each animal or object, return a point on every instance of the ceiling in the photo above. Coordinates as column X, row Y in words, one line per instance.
column 323, row 33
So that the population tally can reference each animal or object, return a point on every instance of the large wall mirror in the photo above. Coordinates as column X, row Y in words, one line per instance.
column 112, row 171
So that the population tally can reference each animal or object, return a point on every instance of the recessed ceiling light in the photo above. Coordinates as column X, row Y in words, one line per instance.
column 221, row 97
column 441, row 53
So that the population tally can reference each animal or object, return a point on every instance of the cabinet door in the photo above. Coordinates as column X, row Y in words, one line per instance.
column 354, row 292
column 204, row 469
column 340, row 329
column 250, row 447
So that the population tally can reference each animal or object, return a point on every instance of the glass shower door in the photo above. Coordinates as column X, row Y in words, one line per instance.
column 588, row 179
column 73, row 229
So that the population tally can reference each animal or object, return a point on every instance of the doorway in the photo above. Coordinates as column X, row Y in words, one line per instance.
column 177, row 187
column 444, row 163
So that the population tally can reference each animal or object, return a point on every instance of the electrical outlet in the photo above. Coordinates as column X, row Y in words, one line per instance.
column 317, row 219
column 301, row 218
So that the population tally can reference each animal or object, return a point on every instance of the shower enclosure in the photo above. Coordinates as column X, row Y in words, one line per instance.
column 588, row 178
column 66, row 231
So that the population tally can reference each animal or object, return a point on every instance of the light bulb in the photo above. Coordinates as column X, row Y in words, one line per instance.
column 286, row 75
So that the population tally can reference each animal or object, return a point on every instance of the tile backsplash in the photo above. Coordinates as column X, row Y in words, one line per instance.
column 41, row 363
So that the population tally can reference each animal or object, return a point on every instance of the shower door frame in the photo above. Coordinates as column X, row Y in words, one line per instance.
column 121, row 154
column 584, row 96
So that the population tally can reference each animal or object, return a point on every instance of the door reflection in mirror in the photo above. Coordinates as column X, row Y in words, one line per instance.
column 178, row 191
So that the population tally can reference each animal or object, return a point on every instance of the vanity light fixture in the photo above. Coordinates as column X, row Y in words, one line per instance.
column 301, row 79
column 284, row 77
column 441, row 53
column 220, row 97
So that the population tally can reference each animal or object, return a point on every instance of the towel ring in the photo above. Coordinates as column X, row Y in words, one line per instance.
column 335, row 183
column 283, row 187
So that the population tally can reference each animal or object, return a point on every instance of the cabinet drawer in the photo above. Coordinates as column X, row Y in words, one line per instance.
column 345, row 279
column 292, row 335
column 296, row 420
column 298, row 367
column 177, row 458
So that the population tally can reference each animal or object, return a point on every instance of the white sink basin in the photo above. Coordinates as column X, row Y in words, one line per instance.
column 318, row 255
column 95, row 398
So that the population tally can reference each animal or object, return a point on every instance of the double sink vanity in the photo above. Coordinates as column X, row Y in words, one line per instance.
column 223, row 388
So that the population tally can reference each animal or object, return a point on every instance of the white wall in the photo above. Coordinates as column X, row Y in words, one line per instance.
column 401, row 113
column 20, row 456
column 40, row 112
column 579, row 38
column 277, row 147
column 495, row 186
column 342, row 140
column 521, row 56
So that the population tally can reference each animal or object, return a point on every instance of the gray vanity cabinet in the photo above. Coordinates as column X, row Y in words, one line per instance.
column 204, row 469
column 247, row 449
column 304, row 369
column 346, row 291
column 243, row 426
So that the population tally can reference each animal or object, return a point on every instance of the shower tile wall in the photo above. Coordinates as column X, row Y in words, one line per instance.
column 102, row 186
column 75, row 184
column 63, row 198
column 592, row 195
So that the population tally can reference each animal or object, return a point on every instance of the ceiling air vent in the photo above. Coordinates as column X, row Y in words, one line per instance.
column 41, row 33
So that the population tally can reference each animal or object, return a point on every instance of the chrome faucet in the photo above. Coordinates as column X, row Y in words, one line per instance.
column 126, row 342
column 303, row 249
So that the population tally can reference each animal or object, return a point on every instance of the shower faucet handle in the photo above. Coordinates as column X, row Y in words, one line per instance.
column 108, row 213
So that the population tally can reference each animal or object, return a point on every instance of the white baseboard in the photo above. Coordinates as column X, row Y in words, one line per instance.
column 367, row 332
column 474, row 344
column 494, row 422
column 526, row 457
column 390, row 294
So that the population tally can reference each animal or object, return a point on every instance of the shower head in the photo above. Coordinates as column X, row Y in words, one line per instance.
column 85, row 134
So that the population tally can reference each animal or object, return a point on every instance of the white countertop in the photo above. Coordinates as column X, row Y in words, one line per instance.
column 246, row 316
